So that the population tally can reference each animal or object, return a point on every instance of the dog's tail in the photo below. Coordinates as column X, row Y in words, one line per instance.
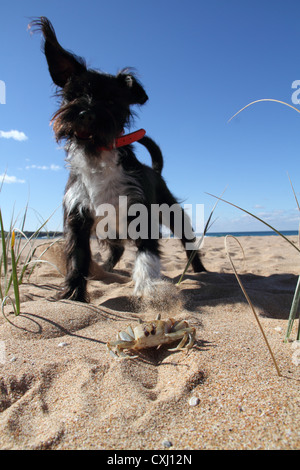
column 155, row 152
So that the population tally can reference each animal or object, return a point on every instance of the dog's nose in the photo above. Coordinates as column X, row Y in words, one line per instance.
column 86, row 117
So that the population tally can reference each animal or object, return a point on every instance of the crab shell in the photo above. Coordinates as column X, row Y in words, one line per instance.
column 153, row 333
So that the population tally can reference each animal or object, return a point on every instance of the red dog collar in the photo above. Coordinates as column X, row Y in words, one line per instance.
column 126, row 140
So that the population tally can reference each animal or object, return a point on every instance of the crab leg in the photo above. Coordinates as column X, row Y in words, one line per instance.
column 181, row 344
column 192, row 335
column 119, row 345
column 185, row 334
column 180, row 325
column 120, row 353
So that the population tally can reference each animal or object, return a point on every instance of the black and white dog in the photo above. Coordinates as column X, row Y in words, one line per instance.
column 95, row 108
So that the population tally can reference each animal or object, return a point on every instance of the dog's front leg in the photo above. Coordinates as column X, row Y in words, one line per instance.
column 77, row 229
column 146, row 271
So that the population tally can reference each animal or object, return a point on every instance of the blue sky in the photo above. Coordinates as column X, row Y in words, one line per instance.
column 200, row 62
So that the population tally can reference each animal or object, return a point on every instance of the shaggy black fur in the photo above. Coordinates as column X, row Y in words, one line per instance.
column 95, row 108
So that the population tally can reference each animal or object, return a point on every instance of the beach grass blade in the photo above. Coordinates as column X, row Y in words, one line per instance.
column 260, row 220
column 293, row 313
column 296, row 300
column 3, row 242
column 15, row 274
column 250, row 303
column 206, row 228
column 260, row 101
column 296, row 199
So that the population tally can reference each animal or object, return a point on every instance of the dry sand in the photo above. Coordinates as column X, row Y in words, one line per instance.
column 60, row 389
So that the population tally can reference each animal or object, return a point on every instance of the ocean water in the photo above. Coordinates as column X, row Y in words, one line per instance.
column 265, row 233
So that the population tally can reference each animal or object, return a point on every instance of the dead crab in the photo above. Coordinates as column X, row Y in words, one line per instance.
column 151, row 334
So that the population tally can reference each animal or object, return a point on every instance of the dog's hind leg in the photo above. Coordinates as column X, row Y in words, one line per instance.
column 189, row 242
column 116, row 251
column 180, row 225
column 77, row 229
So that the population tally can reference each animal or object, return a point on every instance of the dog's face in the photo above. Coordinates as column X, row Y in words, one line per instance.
column 95, row 107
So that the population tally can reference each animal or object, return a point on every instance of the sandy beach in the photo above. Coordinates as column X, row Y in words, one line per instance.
column 61, row 389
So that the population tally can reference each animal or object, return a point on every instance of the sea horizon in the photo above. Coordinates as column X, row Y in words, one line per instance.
column 262, row 233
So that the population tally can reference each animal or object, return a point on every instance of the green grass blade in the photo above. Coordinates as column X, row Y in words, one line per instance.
column 3, row 303
column 3, row 242
column 293, row 312
column 22, row 228
column 15, row 275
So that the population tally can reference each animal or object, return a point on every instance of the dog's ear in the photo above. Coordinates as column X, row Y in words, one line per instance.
column 62, row 64
column 136, row 92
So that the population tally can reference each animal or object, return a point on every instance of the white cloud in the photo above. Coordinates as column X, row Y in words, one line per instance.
column 10, row 179
column 13, row 134
column 43, row 167
column 279, row 219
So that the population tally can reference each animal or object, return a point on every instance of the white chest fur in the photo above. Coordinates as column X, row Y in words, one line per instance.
column 98, row 181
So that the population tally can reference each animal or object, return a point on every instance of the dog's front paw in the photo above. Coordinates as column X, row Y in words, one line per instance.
column 78, row 294
column 160, row 294
column 146, row 274
column 146, row 288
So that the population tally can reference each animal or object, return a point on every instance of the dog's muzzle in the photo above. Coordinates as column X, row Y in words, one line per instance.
column 85, row 122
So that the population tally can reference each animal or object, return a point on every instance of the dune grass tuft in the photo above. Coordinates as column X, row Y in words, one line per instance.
column 17, row 256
